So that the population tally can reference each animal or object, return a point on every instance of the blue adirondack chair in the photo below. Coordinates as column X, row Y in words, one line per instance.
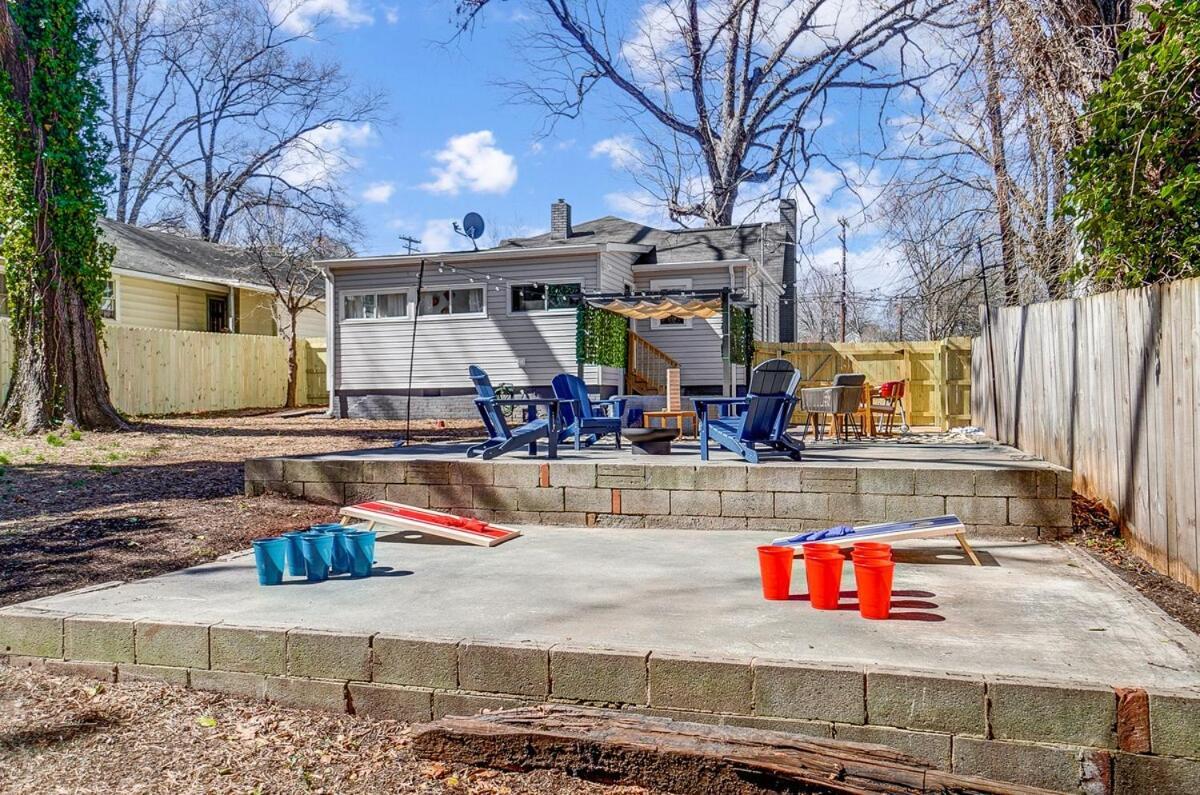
column 765, row 412
column 580, row 416
column 501, row 438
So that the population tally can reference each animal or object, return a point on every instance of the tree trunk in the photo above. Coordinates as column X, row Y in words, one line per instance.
column 293, row 369
column 995, row 118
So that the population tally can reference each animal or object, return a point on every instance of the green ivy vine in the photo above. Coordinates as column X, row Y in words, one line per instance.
column 600, row 336
column 741, row 335
column 63, row 105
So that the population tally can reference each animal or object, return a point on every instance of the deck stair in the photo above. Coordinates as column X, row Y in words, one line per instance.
column 646, row 367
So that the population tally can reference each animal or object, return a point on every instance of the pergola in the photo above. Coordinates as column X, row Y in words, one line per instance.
column 602, row 327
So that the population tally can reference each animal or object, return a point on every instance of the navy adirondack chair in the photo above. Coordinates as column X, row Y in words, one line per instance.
column 580, row 415
column 763, row 421
column 501, row 438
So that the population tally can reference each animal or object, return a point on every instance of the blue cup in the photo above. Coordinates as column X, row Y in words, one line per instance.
column 318, row 555
column 325, row 528
column 295, row 553
column 361, row 545
column 341, row 554
column 269, row 557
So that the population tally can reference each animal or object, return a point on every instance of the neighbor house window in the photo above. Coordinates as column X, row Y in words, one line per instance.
column 108, row 302
column 671, row 285
column 454, row 301
column 375, row 306
column 542, row 297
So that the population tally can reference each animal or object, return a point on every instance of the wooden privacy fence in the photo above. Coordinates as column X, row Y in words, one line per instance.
column 938, row 372
column 163, row 371
column 1108, row 386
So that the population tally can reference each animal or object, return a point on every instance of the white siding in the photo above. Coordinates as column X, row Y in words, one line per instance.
column 616, row 271
column 524, row 349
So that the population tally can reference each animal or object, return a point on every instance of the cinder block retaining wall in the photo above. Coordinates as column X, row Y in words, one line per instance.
column 1064, row 736
column 719, row 496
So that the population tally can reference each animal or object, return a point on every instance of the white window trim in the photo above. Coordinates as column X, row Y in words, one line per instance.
column 465, row 315
column 116, row 318
column 509, row 302
column 670, row 284
column 410, row 306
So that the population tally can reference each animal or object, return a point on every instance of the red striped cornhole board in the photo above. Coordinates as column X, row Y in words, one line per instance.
column 434, row 523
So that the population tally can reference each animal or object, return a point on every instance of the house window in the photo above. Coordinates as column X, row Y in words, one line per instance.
column 375, row 306
column 542, row 297
column 108, row 302
column 453, row 301
column 671, row 285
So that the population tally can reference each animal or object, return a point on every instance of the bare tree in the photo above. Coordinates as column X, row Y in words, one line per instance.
column 726, row 94
column 818, row 308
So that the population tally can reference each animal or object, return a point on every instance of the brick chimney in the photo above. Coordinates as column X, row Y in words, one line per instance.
column 787, row 304
column 560, row 220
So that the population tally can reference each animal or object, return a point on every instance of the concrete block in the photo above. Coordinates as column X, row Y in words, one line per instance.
column 696, row 503
column 802, row 506
column 747, row 503
column 946, row 482
column 294, row 487
column 618, row 520
column 563, row 518
column 515, row 668
column 886, row 481
column 1160, row 775
column 1006, row 483
column 1047, row 484
column 432, row 473
column 444, row 495
column 248, row 649
column 472, row 473
column 263, row 469
column 168, row 643
column 317, row 471
column 244, row 685
column 823, row 473
column 699, row 522
column 896, row 508
column 928, row 702
column 167, row 674
column 415, row 661
column 104, row 639
column 780, row 477
column 329, row 493
column 573, row 475
column 700, row 683
column 384, row 471
column 409, row 494
column 586, row 499
column 1066, row 484
column 721, row 477
column 933, row 747
column 535, row 499
column 516, row 517
column 103, row 671
column 1041, row 513
column 671, row 477
column 254, row 488
column 807, row 728
column 620, row 481
column 365, row 492
column 472, row 703
column 1052, row 767
column 979, row 510
column 826, row 692
column 856, row 508
column 496, row 498
column 682, row 715
column 22, row 663
column 328, row 655
column 639, row 502
column 1175, row 723
column 1050, row 712
column 320, row 694
column 813, row 486
column 517, row 473
column 603, row 675
column 391, row 702
column 31, row 632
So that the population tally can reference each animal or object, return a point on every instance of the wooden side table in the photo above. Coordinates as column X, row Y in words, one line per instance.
column 678, row 416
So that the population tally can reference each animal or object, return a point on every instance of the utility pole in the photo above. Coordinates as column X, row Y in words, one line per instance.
column 842, row 234
column 410, row 243
column 901, row 329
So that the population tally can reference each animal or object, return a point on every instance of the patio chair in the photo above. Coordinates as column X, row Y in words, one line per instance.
column 890, row 403
column 583, row 418
column 842, row 402
column 501, row 438
column 766, row 411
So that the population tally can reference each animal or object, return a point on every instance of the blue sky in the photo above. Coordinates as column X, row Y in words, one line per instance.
column 453, row 142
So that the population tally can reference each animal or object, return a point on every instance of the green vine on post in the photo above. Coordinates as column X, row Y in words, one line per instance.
column 600, row 337
column 741, row 335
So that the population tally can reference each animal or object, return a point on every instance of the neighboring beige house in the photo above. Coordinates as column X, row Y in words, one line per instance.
column 162, row 280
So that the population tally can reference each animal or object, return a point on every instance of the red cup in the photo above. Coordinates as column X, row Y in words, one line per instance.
column 871, row 554
column 873, row 577
column 872, row 546
column 824, row 573
column 817, row 546
column 775, row 566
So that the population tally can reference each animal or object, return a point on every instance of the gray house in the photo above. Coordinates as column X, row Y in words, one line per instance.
column 510, row 309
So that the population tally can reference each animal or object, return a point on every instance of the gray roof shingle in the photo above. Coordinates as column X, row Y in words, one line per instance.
column 177, row 257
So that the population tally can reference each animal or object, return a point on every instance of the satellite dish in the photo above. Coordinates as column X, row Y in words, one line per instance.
column 473, row 225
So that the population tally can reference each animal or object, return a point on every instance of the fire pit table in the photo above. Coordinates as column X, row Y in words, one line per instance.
column 650, row 441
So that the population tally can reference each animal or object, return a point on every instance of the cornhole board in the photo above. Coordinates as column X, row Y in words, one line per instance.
column 933, row 527
column 434, row 523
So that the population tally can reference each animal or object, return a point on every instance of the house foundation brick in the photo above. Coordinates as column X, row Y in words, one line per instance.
column 410, row 494
column 747, row 503
column 646, row 501
column 167, row 674
column 322, row 694
column 830, row 473
column 248, row 649
column 942, row 702
column 620, row 481
column 826, row 693
column 1133, row 720
column 1006, row 483
column 1175, row 724
column 102, row 671
column 618, row 520
column 802, row 506
column 601, row 675
column 328, row 655
column 1039, row 712
column 414, row 661
column 700, row 683
column 99, row 639
column 1160, row 775
column 946, row 482
column 696, row 503
column 428, row 472
column 563, row 518
column 168, row 643
column 812, row 486
column 329, row 493
column 933, row 747
column 391, row 702
column 314, row 471
column 886, row 481
column 510, row 668
column 856, row 508
column 897, row 508
column 443, row 495
column 701, row 522
column 1052, row 767
column 365, row 492
column 32, row 633
column 774, row 478
column 472, row 473
column 537, row 499
column 496, row 498
column 471, row 703
column 244, row 685
column 979, row 510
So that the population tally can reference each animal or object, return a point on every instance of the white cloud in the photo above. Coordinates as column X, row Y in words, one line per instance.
column 316, row 158
column 378, row 192
column 302, row 16
column 621, row 150
column 473, row 162
column 391, row 14
column 438, row 235
column 640, row 206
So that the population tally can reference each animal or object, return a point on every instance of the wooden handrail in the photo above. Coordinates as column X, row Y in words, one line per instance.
column 635, row 338
column 647, row 363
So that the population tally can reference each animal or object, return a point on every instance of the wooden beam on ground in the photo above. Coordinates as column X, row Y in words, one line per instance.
column 626, row 748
